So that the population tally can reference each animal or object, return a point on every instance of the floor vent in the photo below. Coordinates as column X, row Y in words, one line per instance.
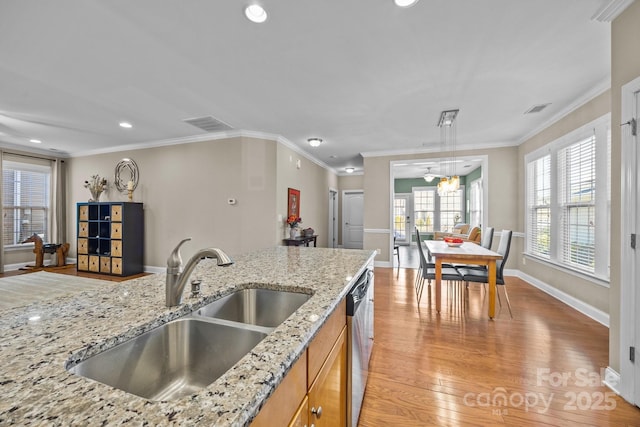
column 208, row 124
column 536, row 108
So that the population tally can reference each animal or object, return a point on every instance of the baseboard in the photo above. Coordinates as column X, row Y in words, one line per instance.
column 612, row 379
column 584, row 308
column 383, row 264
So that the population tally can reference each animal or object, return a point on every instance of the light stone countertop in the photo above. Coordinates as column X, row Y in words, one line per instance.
column 37, row 390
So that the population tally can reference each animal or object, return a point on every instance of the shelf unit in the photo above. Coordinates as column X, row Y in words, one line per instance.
column 110, row 238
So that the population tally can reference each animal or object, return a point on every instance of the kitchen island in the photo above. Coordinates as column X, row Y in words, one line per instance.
column 39, row 340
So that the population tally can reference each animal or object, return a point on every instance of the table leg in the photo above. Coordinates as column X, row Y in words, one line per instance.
column 492, row 289
column 438, row 282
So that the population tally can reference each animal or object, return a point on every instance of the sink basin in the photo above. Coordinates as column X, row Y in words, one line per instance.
column 261, row 307
column 174, row 360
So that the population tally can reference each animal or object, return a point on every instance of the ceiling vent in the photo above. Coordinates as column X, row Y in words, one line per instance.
column 208, row 124
column 536, row 108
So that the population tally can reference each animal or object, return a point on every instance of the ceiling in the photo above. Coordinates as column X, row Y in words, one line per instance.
column 364, row 75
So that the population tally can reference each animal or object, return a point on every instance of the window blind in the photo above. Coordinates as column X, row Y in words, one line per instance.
column 26, row 186
column 539, row 206
column 576, row 203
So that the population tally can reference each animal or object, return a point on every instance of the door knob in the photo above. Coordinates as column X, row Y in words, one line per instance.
column 317, row 412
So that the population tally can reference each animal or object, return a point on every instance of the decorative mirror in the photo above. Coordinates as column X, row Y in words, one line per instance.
column 126, row 172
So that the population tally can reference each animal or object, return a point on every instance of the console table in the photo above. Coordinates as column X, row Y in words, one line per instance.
column 301, row 241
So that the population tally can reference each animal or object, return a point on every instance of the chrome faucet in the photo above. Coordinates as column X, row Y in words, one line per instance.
column 177, row 277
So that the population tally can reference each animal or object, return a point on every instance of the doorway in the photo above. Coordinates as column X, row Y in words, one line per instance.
column 402, row 214
column 352, row 219
column 332, row 236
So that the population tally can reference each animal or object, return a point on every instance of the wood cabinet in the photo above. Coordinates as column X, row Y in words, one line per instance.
column 314, row 392
column 110, row 238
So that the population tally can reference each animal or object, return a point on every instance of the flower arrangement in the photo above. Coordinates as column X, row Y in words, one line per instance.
column 96, row 186
column 293, row 221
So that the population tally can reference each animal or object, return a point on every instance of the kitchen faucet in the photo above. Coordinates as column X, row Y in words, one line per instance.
column 177, row 277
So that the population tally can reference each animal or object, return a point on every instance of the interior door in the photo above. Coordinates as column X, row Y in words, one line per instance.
column 636, row 322
column 402, row 218
column 332, row 237
column 353, row 219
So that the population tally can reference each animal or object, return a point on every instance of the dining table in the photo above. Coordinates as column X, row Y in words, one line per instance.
column 466, row 253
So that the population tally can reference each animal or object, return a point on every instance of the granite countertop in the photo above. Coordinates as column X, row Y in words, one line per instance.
column 37, row 390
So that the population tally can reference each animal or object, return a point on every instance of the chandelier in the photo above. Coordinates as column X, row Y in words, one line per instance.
column 447, row 124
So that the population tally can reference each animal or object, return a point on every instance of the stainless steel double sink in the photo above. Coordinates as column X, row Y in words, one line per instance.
column 183, row 356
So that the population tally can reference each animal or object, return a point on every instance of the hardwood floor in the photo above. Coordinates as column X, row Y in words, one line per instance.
column 458, row 368
column 71, row 270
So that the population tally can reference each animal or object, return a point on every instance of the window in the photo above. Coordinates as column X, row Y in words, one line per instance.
column 437, row 213
column 26, row 186
column 566, row 223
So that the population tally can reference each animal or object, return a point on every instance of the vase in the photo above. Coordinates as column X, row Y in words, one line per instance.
column 95, row 195
column 292, row 233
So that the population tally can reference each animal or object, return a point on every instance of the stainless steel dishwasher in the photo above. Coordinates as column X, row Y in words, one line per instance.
column 359, row 342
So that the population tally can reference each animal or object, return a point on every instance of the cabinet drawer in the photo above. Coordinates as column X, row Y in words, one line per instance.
column 83, row 213
column 105, row 264
column 116, row 230
column 116, row 248
column 323, row 342
column 301, row 419
column 83, row 262
column 116, row 212
column 116, row 265
column 94, row 263
column 282, row 405
column 83, row 229
column 83, row 246
column 329, row 390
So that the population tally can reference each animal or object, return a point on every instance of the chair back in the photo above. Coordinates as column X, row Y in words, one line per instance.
column 503, row 249
column 423, row 259
column 487, row 238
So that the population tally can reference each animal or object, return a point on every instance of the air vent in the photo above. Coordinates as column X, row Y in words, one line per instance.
column 536, row 108
column 208, row 124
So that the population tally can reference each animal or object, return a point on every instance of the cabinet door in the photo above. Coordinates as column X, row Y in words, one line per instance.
column 116, row 230
column 83, row 246
column 83, row 213
column 116, row 213
column 301, row 418
column 328, row 394
column 94, row 263
column 105, row 264
column 83, row 262
column 116, row 265
column 116, row 248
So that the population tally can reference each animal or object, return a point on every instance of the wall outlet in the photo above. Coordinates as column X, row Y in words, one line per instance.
column 378, row 251
column 524, row 261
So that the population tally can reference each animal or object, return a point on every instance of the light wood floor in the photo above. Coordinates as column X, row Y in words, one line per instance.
column 453, row 368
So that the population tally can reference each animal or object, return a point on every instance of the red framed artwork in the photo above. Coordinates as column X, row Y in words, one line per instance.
column 293, row 203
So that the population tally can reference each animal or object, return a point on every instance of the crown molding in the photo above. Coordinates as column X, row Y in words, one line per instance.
column 597, row 90
column 207, row 137
column 610, row 11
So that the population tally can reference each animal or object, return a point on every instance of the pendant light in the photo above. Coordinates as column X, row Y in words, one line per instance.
column 448, row 125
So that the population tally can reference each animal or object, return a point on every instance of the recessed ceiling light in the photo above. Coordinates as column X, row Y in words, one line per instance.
column 126, row 125
column 349, row 170
column 255, row 13
column 405, row 3
column 314, row 142
column 35, row 141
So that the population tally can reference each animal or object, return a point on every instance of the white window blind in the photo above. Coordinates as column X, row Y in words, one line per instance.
column 475, row 203
column 26, row 189
column 576, row 203
column 539, row 206
column 568, row 185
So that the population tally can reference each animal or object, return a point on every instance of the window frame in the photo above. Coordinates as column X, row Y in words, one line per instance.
column 20, row 164
column 437, row 210
column 600, row 129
